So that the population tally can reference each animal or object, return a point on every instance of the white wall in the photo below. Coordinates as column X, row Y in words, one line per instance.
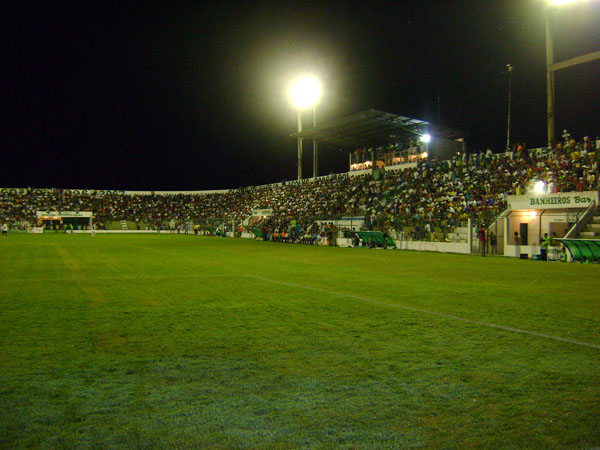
column 442, row 247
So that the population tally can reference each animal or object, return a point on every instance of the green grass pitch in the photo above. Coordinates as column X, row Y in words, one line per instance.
column 173, row 341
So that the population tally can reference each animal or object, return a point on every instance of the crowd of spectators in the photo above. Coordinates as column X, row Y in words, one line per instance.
column 431, row 195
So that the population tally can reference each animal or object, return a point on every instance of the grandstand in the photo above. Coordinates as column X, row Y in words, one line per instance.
column 433, row 202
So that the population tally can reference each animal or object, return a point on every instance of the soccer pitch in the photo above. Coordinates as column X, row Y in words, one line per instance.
column 164, row 341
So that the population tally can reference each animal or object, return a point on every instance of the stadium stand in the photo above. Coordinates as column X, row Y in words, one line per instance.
column 426, row 202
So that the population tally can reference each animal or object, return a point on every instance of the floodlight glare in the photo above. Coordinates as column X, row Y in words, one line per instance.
column 426, row 138
column 539, row 187
column 562, row 2
column 305, row 92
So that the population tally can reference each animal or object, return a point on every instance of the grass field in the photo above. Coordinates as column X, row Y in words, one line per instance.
column 168, row 341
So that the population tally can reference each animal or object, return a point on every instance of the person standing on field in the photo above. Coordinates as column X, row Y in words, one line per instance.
column 481, row 237
column 4, row 230
column 544, row 247
column 493, row 243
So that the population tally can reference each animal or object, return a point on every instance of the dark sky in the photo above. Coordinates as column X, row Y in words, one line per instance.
column 185, row 96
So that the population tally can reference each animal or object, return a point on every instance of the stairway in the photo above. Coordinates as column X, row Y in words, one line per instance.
column 592, row 229
column 123, row 224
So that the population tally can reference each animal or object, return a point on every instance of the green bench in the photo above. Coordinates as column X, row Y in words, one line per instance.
column 578, row 248
column 366, row 236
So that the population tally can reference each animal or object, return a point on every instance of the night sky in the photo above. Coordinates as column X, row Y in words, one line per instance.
column 191, row 96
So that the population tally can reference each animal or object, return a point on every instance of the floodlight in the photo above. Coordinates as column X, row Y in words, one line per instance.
column 561, row 2
column 532, row 214
column 305, row 92
column 539, row 187
column 426, row 138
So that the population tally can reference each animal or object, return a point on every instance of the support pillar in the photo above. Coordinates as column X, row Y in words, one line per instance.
column 506, row 236
column 470, row 235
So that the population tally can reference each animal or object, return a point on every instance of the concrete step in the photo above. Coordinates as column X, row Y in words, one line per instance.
column 589, row 234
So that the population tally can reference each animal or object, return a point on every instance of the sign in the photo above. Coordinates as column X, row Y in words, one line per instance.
column 63, row 214
column 262, row 212
column 41, row 191
column 100, row 192
column 559, row 200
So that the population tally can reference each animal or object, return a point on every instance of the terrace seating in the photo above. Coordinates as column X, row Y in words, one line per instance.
column 441, row 194
column 592, row 229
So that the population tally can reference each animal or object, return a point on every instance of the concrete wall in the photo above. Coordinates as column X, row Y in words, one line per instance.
column 538, row 222
column 441, row 247
column 421, row 246
column 514, row 251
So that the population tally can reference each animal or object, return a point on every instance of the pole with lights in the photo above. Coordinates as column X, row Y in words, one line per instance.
column 549, row 81
column 426, row 138
column 305, row 93
column 510, row 69
column 315, row 146
column 552, row 67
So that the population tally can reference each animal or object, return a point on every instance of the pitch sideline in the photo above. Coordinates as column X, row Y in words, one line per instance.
column 327, row 291
column 433, row 313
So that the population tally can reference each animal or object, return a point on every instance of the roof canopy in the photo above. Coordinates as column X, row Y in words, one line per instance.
column 374, row 128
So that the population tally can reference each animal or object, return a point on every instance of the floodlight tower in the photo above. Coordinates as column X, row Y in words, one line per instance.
column 552, row 67
column 509, row 68
column 426, row 138
column 305, row 93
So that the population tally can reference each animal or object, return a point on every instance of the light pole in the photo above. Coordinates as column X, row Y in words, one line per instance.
column 549, row 81
column 315, row 145
column 510, row 69
column 305, row 93
column 552, row 67
column 299, row 146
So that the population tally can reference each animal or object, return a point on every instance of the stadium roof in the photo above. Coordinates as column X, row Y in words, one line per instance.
column 374, row 128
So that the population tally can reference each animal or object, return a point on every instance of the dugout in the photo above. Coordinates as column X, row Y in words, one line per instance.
column 532, row 215
column 81, row 220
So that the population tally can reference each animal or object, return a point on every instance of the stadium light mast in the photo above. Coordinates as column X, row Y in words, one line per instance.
column 552, row 67
column 305, row 93
column 426, row 138
column 509, row 68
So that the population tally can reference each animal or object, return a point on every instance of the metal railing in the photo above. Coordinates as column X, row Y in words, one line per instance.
column 581, row 221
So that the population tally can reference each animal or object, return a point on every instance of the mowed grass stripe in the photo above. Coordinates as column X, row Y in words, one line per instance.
column 114, row 278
